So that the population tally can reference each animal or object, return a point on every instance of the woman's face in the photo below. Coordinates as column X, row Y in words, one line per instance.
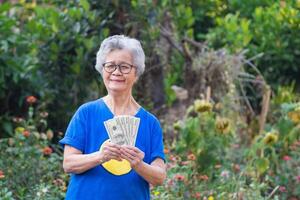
column 117, row 81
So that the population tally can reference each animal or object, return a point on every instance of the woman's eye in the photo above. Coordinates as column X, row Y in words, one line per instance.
column 125, row 67
column 111, row 66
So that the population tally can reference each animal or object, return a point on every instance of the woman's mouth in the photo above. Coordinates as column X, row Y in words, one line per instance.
column 116, row 80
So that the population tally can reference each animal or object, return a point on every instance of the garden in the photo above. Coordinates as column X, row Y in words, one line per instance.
column 221, row 76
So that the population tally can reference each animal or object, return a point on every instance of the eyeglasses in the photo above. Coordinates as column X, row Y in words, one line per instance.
column 124, row 68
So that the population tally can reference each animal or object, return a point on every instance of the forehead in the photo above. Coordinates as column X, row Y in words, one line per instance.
column 119, row 55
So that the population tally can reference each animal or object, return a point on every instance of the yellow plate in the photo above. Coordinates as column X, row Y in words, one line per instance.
column 116, row 167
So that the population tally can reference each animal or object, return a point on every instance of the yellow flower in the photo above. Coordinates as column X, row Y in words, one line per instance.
column 202, row 106
column 210, row 198
column 222, row 125
column 19, row 129
column 177, row 126
column 156, row 193
column 295, row 115
column 271, row 138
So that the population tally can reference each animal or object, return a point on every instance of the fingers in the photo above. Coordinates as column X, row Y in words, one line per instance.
column 133, row 155
column 126, row 155
column 111, row 151
column 131, row 148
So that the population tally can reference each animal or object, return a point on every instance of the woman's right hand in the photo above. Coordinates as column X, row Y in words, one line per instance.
column 110, row 151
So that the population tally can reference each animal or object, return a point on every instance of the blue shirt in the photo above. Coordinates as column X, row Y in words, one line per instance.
column 86, row 132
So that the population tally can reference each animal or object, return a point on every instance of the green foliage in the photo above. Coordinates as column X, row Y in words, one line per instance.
column 205, row 134
column 285, row 94
column 31, row 169
column 271, row 29
column 234, row 32
column 276, row 150
column 49, row 51
column 207, row 162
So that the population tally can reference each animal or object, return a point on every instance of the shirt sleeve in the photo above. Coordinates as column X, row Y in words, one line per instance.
column 76, row 131
column 157, row 146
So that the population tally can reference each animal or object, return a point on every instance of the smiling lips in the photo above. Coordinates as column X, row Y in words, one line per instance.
column 117, row 80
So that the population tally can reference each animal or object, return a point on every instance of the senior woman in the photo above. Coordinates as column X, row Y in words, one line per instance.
column 120, row 61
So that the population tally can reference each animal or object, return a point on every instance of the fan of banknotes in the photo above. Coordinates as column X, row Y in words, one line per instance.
column 122, row 129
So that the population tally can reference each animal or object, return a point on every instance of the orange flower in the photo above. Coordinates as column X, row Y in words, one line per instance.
column 2, row 174
column 191, row 156
column 31, row 99
column 26, row 133
column 166, row 151
column 203, row 177
column 179, row 177
column 47, row 151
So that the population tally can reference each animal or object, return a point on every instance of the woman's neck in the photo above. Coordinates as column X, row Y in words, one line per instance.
column 121, row 104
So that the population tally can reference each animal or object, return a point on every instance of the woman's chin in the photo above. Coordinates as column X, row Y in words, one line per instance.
column 117, row 88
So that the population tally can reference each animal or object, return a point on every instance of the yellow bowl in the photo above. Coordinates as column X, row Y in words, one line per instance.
column 116, row 167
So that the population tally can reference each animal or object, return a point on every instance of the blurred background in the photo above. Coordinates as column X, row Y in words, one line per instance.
column 222, row 76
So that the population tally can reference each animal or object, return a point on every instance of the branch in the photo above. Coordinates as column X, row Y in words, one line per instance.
column 186, row 52
column 194, row 43
column 169, row 37
column 246, row 99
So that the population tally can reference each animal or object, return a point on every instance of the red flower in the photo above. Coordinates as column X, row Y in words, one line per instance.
column 26, row 133
column 185, row 163
column 191, row 156
column 170, row 183
column 31, row 99
column 298, row 179
column 173, row 158
column 282, row 189
column 286, row 158
column 179, row 177
column 236, row 168
column 197, row 195
column 2, row 174
column 47, row 151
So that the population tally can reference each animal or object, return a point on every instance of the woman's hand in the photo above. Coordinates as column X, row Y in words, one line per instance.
column 133, row 155
column 110, row 151
column 154, row 173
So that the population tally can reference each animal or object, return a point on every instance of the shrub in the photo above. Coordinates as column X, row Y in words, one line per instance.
column 32, row 166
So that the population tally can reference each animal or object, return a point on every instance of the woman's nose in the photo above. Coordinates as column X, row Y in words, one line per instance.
column 117, row 71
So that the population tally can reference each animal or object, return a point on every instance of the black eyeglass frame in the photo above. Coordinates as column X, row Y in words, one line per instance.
column 117, row 66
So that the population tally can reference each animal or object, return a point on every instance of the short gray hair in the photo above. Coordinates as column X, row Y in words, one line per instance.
column 121, row 42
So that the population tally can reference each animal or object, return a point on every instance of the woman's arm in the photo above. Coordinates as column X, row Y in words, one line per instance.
column 155, row 173
column 77, row 163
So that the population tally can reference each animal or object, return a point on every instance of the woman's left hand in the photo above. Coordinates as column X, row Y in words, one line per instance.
column 133, row 155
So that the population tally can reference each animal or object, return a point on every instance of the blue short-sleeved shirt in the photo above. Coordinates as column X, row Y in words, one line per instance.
column 86, row 132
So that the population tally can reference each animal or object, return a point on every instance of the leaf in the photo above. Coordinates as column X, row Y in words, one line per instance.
column 75, row 68
column 262, row 164
column 8, row 127
column 4, row 7
column 85, row 4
